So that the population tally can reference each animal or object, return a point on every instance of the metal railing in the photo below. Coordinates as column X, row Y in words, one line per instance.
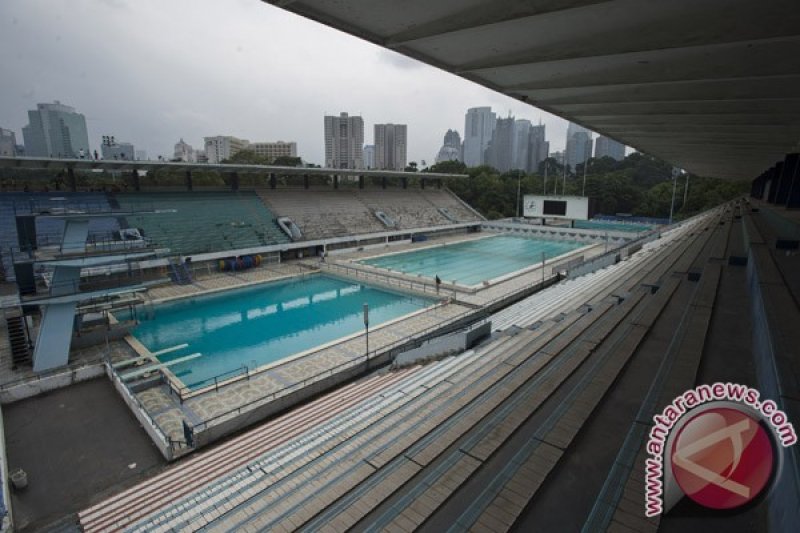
column 398, row 280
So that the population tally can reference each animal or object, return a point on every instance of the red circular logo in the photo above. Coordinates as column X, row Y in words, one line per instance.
column 722, row 458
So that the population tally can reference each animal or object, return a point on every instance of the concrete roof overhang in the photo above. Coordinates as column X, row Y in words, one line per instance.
column 712, row 86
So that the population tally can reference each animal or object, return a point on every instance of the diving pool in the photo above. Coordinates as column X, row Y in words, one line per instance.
column 472, row 262
column 259, row 325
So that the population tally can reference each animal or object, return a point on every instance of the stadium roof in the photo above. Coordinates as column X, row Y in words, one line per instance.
column 120, row 165
column 712, row 86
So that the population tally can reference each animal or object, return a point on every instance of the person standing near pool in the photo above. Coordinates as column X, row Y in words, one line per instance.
column 438, row 283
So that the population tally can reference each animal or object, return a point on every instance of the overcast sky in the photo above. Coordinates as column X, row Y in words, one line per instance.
column 153, row 71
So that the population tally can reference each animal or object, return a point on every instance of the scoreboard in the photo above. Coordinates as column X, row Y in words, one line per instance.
column 569, row 207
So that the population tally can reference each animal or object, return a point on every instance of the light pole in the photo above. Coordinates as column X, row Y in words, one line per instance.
column 675, row 172
column 519, row 181
column 585, row 164
column 545, row 177
column 366, row 326
column 685, row 191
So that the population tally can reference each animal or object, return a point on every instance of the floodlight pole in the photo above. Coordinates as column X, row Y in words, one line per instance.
column 564, row 183
column 545, row 177
column 686, row 189
column 585, row 164
column 674, row 186
column 519, row 183
column 366, row 327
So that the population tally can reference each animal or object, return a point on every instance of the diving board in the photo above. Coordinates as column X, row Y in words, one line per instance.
column 158, row 366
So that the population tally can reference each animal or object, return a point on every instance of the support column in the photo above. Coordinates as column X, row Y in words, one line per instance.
column 383, row 182
column 189, row 183
column 305, row 181
column 793, row 198
column 422, row 183
column 71, row 181
column 137, row 185
column 361, row 182
column 785, row 183
column 405, row 183
column 235, row 181
column 335, row 181
column 774, row 178
column 439, row 183
column 273, row 180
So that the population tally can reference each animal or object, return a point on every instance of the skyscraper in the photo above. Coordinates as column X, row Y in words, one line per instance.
column 607, row 147
column 390, row 146
column 55, row 130
column 579, row 145
column 538, row 149
column 479, row 124
column 344, row 141
column 499, row 154
column 369, row 156
column 451, row 147
column 8, row 143
column 183, row 152
column 521, row 144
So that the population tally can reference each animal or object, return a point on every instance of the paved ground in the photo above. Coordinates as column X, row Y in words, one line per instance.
column 77, row 445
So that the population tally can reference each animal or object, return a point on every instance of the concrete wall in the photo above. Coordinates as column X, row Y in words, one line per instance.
column 43, row 383
column 444, row 345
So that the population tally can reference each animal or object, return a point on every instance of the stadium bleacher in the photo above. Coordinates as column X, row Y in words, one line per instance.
column 431, row 429
column 203, row 221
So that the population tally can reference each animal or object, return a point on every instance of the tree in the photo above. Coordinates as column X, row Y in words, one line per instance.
column 412, row 167
column 287, row 161
column 247, row 157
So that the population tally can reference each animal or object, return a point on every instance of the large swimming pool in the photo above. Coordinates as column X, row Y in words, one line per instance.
column 470, row 263
column 263, row 324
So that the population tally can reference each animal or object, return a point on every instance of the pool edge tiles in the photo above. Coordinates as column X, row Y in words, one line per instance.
column 302, row 315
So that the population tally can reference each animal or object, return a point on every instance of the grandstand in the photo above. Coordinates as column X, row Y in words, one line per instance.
column 602, row 335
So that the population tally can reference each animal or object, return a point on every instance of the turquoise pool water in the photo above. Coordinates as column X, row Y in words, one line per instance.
column 470, row 263
column 611, row 226
column 263, row 324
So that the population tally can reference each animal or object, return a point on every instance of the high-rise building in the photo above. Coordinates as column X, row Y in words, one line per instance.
column 55, row 130
column 521, row 144
column 184, row 152
column 479, row 123
column 499, row 154
column 451, row 149
column 141, row 155
column 273, row 150
column 344, row 141
column 538, row 148
column 8, row 143
column 111, row 149
column 607, row 147
column 223, row 147
column 579, row 145
column 390, row 146
column 369, row 156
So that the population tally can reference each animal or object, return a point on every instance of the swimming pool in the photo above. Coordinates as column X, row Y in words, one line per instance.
column 611, row 226
column 263, row 324
column 470, row 263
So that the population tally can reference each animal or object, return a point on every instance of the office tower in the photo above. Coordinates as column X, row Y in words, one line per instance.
column 479, row 124
column 521, row 145
column 8, row 143
column 222, row 147
column 55, row 130
column 344, row 141
column 369, row 156
column 141, row 155
column 183, row 152
column 499, row 154
column 607, row 147
column 538, row 148
column 579, row 145
column 451, row 147
column 390, row 146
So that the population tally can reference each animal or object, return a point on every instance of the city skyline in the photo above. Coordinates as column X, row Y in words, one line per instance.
column 159, row 97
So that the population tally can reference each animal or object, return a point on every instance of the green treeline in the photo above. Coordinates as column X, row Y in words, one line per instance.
column 640, row 185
